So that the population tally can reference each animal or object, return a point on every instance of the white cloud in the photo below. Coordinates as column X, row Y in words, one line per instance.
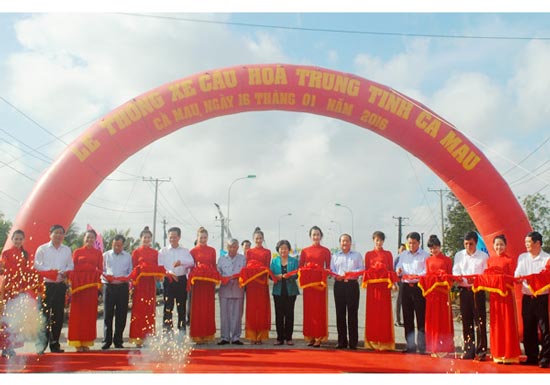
column 531, row 86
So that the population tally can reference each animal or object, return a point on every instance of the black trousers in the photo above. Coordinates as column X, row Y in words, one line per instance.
column 284, row 316
column 115, row 305
column 53, row 311
column 175, row 292
column 474, row 322
column 534, row 312
column 398, row 302
column 346, row 299
column 414, row 304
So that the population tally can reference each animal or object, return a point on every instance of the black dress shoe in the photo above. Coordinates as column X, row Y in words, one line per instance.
column 544, row 364
column 467, row 356
column 223, row 342
column 57, row 350
column 481, row 358
column 105, row 346
column 408, row 351
column 341, row 346
column 119, row 346
column 353, row 347
column 237, row 342
column 528, row 362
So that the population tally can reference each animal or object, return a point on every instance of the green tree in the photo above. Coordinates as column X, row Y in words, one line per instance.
column 537, row 208
column 73, row 237
column 5, row 226
column 109, row 234
column 458, row 223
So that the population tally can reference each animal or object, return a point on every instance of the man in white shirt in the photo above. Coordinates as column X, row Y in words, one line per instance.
column 412, row 265
column 346, row 292
column 534, row 309
column 117, row 262
column 231, row 295
column 53, row 256
column 177, row 261
column 471, row 261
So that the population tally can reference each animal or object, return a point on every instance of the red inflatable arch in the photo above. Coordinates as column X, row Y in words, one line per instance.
column 61, row 191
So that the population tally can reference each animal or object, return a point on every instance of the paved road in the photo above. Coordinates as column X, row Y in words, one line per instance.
column 298, row 336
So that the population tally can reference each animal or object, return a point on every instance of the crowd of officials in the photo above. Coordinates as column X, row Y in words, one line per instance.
column 424, row 281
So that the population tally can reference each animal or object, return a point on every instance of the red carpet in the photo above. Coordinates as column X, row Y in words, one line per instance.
column 251, row 360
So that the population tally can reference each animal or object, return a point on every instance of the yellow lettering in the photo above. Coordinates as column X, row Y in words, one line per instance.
column 218, row 80
column 328, row 81
column 471, row 161
column 267, row 76
column 450, row 141
column 374, row 120
column 162, row 122
column 285, row 98
column 216, row 104
column 181, row 90
column 186, row 113
column 427, row 122
column 339, row 106
column 89, row 145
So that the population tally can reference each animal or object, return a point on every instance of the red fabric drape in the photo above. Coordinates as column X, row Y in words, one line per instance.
column 146, row 270
column 378, row 279
column 436, row 286
column 504, row 332
column 258, row 305
column 85, row 283
column 314, row 260
column 204, row 277
column 19, row 277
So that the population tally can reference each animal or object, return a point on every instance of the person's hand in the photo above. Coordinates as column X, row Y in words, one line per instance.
column 177, row 263
column 399, row 271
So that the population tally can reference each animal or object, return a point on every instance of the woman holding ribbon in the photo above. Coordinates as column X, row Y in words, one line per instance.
column 498, row 280
column 255, row 277
column 17, row 277
column 314, row 263
column 203, row 279
column 379, row 280
column 144, row 298
column 285, row 289
column 85, row 283
column 436, row 286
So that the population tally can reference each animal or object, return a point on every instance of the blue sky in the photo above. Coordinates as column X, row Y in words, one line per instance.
column 65, row 70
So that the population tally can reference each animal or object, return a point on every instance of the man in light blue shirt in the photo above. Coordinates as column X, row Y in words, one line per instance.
column 534, row 309
column 53, row 255
column 117, row 263
column 471, row 261
column 346, row 292
column 177, row 261
column 412, row 265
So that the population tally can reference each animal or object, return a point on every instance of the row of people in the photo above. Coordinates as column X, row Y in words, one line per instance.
column 426, row 285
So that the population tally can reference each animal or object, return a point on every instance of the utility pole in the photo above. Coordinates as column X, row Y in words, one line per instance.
column 441, row 191
column 164, row 223
column 399, row 229
column 157, row 181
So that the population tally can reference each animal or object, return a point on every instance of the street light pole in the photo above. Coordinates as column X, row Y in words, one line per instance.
column 284, row 215
column 351, row 212
column 339, row 226
column 229, row 197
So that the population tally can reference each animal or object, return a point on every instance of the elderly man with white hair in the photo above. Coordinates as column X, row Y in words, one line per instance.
column 231, row 294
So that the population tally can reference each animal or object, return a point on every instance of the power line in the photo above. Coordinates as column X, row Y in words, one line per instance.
column 528, row 156
column 185, row 204
column 33, row 121
column 157, row 181
column 332, row 30
column 441, row 191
